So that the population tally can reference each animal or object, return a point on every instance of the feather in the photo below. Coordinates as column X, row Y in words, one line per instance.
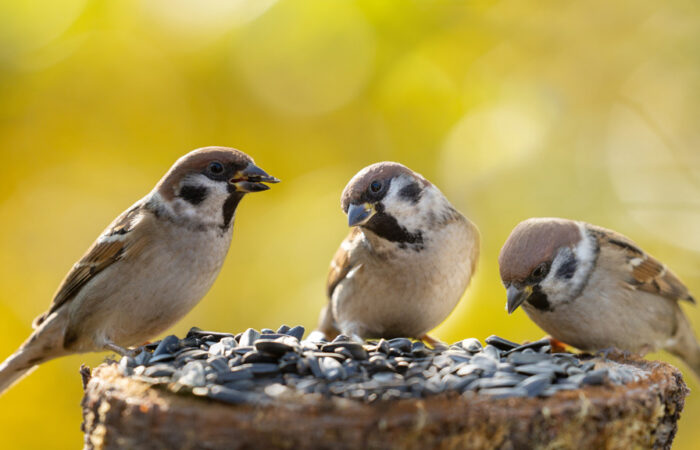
column 109, row 248
column 342, row 262
column 646, row 273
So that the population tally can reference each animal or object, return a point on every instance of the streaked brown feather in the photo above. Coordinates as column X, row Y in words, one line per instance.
column 646, row 272
column 341, row 264
column 98, row 257
column 340, row 267
column 655, row 277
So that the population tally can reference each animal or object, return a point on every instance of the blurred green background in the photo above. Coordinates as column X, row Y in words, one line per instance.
column 587, row 110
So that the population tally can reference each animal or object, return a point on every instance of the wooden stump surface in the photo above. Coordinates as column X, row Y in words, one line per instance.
column 121, row 412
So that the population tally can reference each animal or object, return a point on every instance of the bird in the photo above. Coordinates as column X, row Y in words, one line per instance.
column 406, row 262
column 595, row 289
column 149, row 267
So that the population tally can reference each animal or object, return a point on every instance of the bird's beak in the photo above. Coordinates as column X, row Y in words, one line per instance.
column 360, row 214
column 516, row 297
column 251, row 179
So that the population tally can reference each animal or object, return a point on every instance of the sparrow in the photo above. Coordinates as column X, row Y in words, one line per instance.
column 595, row 289
column 151, row 265
column 406, row 262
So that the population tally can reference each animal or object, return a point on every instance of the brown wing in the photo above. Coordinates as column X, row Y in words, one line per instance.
column 646, row 272
column 108, row 249
column 341, row 263
column 652, row 276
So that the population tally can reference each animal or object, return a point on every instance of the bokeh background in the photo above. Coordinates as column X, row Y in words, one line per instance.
column 587, row 110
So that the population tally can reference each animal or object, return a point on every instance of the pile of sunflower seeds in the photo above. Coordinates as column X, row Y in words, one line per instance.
column 259, row 367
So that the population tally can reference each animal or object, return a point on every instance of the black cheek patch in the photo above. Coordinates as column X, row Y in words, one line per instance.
column 193, row 194
column 411, row 193
column 539, row 300
column 568, row 268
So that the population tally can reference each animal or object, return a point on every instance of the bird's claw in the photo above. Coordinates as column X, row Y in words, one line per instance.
column 432, row 342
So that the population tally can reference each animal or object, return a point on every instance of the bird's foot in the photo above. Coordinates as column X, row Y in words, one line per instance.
column 556, row 345
column 434, row 343
column 111, row 346
column 606, row 352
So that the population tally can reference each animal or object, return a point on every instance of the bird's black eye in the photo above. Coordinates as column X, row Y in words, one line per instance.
column 375, row 186
column 216, row 168
column 540, row 271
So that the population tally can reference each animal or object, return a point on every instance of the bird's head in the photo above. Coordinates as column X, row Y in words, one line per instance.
column 546, row 261
column 394, row 202
column 209, row 182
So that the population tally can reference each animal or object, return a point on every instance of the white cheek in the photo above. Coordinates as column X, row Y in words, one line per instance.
column 586, row 249
column 214, row 202
column 210, row 209
column 566, row 289
column 557, row 289
column 586, row 253
column 414, row 216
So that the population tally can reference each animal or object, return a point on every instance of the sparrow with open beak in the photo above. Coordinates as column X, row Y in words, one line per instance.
column 594, row 289
column 405, row 264
column 150, row 266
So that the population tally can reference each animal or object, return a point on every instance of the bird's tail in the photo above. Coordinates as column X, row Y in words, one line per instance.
column 40, row 347
column 14, row 369
column 687, row 346
column 692, row 359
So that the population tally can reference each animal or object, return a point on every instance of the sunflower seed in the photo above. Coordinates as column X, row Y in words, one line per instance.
column 500, row 343
column 535, row 384
column 248, row 337
column 254, row 367
column 297, row 332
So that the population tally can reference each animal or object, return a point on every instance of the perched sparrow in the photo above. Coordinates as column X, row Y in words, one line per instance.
column 594, row 289
column 150, row 266
column 407, row 262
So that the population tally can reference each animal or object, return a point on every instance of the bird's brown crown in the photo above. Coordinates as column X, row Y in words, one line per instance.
column 197, row 161
column 357, row 186
column 532, row 242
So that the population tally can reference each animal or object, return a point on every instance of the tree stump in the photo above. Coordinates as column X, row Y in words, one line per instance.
column 123, row 412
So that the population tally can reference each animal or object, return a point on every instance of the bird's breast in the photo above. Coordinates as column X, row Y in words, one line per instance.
column 407, row 291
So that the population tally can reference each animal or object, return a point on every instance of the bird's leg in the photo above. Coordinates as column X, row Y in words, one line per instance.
column 556, row 345
column 436, row 344
column 606, row 352
column 120, row 350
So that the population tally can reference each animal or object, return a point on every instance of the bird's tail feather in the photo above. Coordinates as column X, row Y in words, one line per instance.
column 686, row 345
column 40, row 347
column 12, row 370
column 692, row 359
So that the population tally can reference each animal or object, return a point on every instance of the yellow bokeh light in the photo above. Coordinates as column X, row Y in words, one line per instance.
column 27, row 26
column 585, row 110
column 201, row 21
column 306, row 58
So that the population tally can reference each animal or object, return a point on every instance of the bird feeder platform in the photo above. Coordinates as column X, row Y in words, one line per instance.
column 215, row 390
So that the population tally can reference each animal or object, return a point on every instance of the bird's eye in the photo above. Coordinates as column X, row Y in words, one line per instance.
column 540, row 271
column 375, row 186
column 216, row 168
